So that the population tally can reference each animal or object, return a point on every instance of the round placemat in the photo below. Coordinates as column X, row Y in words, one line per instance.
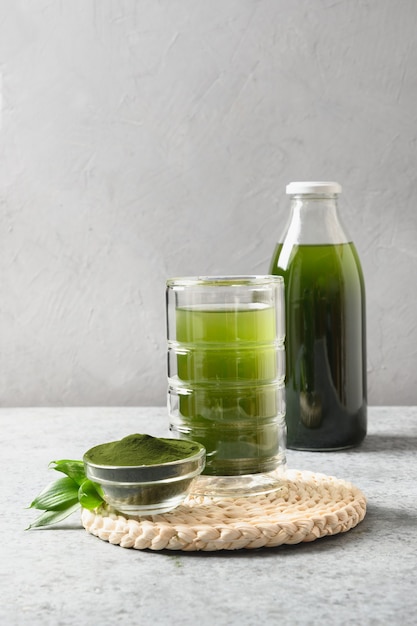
column 307, row 507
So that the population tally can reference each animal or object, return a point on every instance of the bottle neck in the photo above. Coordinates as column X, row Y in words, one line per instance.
column 314, row 220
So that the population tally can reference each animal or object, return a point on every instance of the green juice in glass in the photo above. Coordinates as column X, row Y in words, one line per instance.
column 325, row 345
column 227, row 366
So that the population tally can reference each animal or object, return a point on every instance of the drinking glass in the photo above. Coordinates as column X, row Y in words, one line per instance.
column 226, row 368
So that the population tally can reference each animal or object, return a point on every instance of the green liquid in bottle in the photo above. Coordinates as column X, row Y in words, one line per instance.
column 325, row 345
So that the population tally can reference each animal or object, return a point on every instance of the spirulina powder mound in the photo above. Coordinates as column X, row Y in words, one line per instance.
column 141, row 449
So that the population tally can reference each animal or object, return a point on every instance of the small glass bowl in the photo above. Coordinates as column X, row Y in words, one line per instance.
column 146, row 489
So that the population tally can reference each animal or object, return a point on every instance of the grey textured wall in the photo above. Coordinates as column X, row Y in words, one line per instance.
column 144, row 139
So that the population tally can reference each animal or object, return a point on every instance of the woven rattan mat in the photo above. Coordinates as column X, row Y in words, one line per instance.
column 307, row 507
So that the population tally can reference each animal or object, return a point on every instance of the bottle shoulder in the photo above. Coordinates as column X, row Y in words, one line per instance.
column 315, row 222
column 314, row 257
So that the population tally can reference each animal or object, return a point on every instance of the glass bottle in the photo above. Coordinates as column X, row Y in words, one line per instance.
column 326, row 393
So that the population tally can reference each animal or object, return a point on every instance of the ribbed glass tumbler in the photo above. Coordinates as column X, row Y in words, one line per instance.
column 226, row 368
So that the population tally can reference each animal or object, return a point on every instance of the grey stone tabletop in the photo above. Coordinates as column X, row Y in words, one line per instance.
column 65, row 576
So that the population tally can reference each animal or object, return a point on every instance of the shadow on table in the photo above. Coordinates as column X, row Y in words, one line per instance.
column 381, row 516
column 383, row 443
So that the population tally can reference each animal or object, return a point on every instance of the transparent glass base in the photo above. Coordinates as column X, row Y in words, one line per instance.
column 149, row 509
column 238, row 486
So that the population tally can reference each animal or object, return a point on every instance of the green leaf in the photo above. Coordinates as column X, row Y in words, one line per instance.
column 73, row 469
column 53, row 517
column 66, row 495
column 57, row 496
column 89, row 495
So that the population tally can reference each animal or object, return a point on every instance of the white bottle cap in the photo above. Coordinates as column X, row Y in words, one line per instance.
column 313, row 187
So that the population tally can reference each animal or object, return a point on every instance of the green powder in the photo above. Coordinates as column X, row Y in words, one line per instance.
column 142, row 450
